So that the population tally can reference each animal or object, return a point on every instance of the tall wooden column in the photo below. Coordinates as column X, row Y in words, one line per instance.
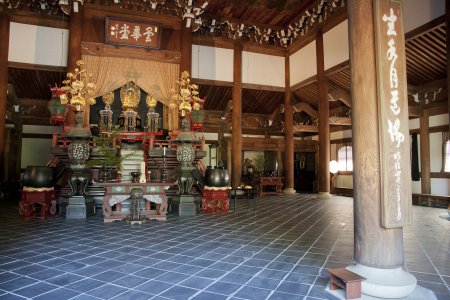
column 237, row 117
column 74, row 54
column 447, row 23
column 4, row 48
column 229, row 156
column 186, row 48
column 378, row 251
column 425, row 178
column 324, row 126
column 280, row 168
column 288, row 132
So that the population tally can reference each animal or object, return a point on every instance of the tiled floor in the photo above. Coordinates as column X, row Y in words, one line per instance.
column 281, row 252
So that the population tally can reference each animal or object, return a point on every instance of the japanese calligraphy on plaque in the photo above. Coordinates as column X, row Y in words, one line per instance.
column 132, row 33
column 393, row 114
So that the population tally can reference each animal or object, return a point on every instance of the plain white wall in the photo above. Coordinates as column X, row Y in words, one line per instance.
column 335, row 45
column 303, row 64
column 35, row 152
column 212, row 63
column 263, row 69
column 419, row 12
column 38, row 45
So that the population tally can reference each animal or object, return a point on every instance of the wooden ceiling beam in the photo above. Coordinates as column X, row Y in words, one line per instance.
column 27, row 66
column 306, row 128
column 340, row 95
column 101, row 49
column 226, row 43
column 30, row 18
column 424, row 29
column 331, row 71
column 308, row 109
column 199, row 81
column 343, row 121
column 415, row 111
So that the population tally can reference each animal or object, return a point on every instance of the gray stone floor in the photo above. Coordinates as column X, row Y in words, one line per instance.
column 280, row 252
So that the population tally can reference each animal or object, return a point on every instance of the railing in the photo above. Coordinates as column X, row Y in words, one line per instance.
column 431, row 200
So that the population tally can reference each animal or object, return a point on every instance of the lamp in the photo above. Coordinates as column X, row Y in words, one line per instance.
column 106, row 114
column 153, row 118
column 334, row 169
column 78, row 90
column 185, row 99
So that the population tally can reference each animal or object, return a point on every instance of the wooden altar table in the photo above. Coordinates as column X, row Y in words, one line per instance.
column 274, row 182
column 118, row 192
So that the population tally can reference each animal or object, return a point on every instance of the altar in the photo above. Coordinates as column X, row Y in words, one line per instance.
column 118, row 193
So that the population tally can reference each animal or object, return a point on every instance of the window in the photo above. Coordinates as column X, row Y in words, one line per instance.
column 345, row 158
column 447, row 156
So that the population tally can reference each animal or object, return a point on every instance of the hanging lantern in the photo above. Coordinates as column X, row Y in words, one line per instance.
column 198, row 116
column 57, row 110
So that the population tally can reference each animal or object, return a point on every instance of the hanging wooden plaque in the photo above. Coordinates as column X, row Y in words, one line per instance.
column 393, row 114
column 132, row 33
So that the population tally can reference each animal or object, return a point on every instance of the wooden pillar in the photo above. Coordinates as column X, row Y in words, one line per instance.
column 280, row 168
column 237, row 117
column 4, row 48
column 74, row 54
column 425, row 180
column 447, row 23
column 324, row 126
column 375, row 246
column 186, row 48
column 220, row 139
column 229, row 157
column 18, row 150
column 378, row 248
column 288, row 132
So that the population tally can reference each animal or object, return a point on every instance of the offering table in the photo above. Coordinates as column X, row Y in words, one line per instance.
column 274, row 182
column 118, row 192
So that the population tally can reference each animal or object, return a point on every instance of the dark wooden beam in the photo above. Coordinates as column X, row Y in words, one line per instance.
column 250, row 86
column 100, row 49
column 19, row 65
column 433, row 129
column 306, row 128
column 226, row 43
column 312, row 79
column 212, row 82
column 30, row 18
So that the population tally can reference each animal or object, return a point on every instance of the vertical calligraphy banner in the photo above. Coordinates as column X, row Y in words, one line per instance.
column 392, row 114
